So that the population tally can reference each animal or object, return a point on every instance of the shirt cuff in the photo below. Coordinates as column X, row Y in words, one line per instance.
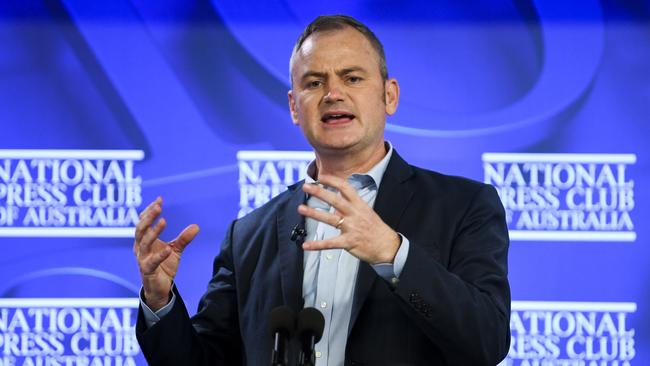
column 391, row 271
column 151, row 317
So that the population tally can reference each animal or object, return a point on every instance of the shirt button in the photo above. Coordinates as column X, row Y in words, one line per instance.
column 328, row 256
column 318, row 354
column 323, row 304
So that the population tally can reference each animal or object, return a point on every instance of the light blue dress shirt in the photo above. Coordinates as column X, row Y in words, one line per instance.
column 329, row 275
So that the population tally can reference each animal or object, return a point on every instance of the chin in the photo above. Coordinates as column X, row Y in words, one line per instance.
column 336, row 141
column 336, row 146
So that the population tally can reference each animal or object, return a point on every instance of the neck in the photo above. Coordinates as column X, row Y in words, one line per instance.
column 343, row 164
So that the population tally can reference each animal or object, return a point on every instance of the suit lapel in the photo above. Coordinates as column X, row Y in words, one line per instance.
column 290, row 252
column 393, row 197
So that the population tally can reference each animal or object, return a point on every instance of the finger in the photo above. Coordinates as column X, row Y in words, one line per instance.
column 147, row 218
column 151, row 235
column 153, row 261
column 342, row 185
column 157, row 201
column 329, row 197
column 337, row 242
column 185, row 237
column 319, row 215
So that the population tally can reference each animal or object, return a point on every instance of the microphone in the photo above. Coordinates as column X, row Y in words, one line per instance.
column 282, row 322
column 298, row 233
column 310, row 329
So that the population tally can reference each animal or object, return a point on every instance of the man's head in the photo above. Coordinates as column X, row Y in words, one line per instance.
column 341, row 93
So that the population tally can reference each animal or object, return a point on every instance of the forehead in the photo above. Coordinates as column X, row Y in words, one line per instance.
column 338, row 48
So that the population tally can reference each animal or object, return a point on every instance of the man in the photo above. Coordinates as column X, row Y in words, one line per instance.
column 408, row 266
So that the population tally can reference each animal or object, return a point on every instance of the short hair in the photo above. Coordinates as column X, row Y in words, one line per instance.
column 324, row 23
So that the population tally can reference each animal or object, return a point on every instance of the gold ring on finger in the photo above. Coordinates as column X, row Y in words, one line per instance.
column 339, row 223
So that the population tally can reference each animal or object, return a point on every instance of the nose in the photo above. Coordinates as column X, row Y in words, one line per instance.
column 334, row 93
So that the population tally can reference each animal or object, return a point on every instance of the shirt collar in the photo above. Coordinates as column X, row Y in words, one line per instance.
column 376, row 173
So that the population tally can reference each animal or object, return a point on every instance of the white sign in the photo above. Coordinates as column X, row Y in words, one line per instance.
column 571, row 334
column 564, row 197
column 68, row 331
column 72, row 193
column 265, row 174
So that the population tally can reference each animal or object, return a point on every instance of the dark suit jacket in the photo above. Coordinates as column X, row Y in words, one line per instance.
column 450, row 307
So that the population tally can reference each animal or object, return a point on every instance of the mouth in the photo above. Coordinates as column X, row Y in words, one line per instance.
column 337, row 117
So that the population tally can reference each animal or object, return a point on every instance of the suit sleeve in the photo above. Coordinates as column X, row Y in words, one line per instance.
column 464, row 306
column 211, row 337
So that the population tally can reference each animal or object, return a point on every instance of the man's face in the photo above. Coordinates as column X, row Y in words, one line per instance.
column 338, row 97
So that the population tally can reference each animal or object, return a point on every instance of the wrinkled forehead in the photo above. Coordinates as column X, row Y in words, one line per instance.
column 336, row 46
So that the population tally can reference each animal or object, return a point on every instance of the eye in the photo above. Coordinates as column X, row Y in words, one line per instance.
column 354, row 79
column 313, row 84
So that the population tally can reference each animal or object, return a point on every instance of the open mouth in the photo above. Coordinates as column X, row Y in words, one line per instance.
column 337, row 117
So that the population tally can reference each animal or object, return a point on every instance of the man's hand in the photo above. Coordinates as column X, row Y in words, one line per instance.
column 363, row 233
column 158, row 260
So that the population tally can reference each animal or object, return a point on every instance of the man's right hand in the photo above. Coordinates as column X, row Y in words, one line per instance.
column 158, row 260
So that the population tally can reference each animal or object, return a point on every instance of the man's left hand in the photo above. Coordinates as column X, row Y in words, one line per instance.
column 363, row 233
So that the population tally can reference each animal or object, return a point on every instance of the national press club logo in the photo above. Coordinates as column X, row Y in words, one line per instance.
column 265, row 174
column 69, row 193
column 571, row 334
column 565, row 197
column 67, row 331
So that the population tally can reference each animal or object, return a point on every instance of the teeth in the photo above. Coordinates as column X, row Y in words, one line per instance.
column 336, row 116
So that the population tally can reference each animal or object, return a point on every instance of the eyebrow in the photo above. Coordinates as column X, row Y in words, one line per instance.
column 350, row 70
column 346, row 71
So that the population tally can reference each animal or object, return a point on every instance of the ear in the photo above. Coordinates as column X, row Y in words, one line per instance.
column 292, row 107
column 392, row 96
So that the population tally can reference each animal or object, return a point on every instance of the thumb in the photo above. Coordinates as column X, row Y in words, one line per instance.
column 185, row 237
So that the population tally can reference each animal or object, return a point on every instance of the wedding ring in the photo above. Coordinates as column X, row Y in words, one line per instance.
column 338, row 224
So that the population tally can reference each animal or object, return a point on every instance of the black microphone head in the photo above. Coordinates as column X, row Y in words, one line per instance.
column 298, row 233
column 310, row 322
column 281, row 319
